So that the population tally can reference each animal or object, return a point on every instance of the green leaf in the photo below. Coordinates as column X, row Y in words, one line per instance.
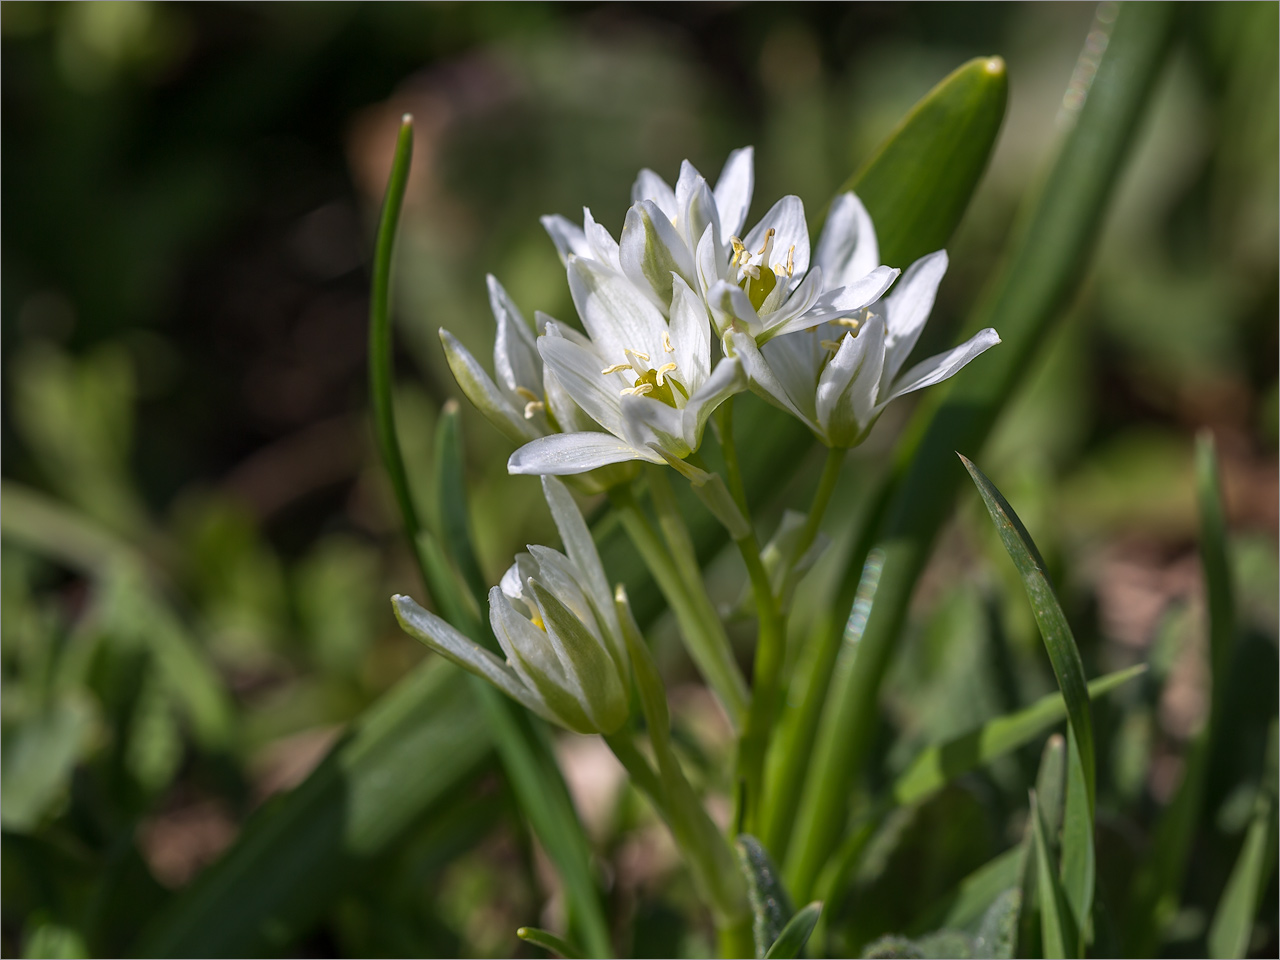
column 1057, row 925
column 1078, row 844
column 1233, row 920
column 38, row 759
column 934, row 767
column 549, row 941
column 770, row 906
column 917, row 184
column 795, row 934
column 1052, row 248
column 1051, row 786
column 974, row 894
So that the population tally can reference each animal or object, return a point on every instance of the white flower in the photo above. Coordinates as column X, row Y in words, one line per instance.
column 649, row 383
column 528, row 403
column 838, row 376
column 555, row 619
column 762, row 284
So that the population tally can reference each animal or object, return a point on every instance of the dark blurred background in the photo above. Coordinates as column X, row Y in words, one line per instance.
column 188, row 195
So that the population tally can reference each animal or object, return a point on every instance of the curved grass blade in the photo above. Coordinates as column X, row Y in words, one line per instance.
column 550, row 942
column 452, row 516
column 796, row 933
column 770, row 906
column 935, row 766
column 522, row 744
column 1057, row 925
column 1078, row 843
column 1053, row 247
column 917, row 184
column 1233, row 921
column 1158, row 881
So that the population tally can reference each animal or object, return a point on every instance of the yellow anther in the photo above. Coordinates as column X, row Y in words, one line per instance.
column 639, row 390
column 616, row 367
column 832, row 345
column 664, row 369
column 848, row 322
column 666, row 342
column 767, row 237
column 637, row 354
column 791, row 260
column 739, row 248
column 525, row 393
column 533, row 407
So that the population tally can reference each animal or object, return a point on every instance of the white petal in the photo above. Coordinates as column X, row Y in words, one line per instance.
column 690, row 336
column 733, row 191
column 846, row 398
column 649, row 421
column 711, row 260
column 651, row 250
column 599, row 241
column 847, row 300
column 567, row 236
column 581, row 548
column 650, row 186
column 615, row 314
column 566, row 453
column 449, row 643
column 578, row 370
column 907, row 308
column 796, row 360
column 515, row 356
column 561, row 578
column 795, row 313
column 483, row 392
column 731, row 308
column 847, row 250
column 727, row 379
column 763, row 381
column 697, row 206
column 786, row 218
column 936, row 369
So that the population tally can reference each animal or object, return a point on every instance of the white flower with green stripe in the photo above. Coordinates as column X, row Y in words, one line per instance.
column 554, row 617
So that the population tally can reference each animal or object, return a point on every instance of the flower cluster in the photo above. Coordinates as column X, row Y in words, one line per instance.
column 679, row 313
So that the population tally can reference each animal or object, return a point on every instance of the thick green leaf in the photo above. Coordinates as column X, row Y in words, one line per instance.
column 917, row 184
column 1057, row 925
column 38, row 758
column 549, row 941
column 938, row 765
column 795, row 934
column 770, row 906
column 1041, row 275
column 1234, row 919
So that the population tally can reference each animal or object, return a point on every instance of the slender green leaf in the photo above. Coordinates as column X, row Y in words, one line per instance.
column 453, row 518
column 770, row 906
column 1051, row 250
column 974, row 895
column 550, row 942
column 1233, row 920
column 795, row 934
column 934, row 767
column 917, row 184
column 1057, row 926
column 1157, row 883
column 1051, row 786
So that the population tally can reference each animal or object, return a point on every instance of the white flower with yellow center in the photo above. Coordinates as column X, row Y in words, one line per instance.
column 646, row 381
column 555, row 619
column 838, row 376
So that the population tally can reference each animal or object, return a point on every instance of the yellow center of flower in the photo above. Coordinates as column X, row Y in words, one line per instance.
column 650, row 381
column 756, row 282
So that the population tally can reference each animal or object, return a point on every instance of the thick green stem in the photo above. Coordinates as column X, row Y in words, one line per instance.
column 707, row 642
column 809, row 533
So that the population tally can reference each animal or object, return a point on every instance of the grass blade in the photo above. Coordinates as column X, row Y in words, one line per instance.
column 453, row 519
column 1078, row 844
column 795, row 934
column 1057, row 927
column 935, row 766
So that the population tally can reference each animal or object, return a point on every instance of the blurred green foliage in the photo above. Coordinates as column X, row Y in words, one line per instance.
column 198, row 546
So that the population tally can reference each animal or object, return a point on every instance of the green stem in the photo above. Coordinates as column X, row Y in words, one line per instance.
column 702, row 630
column 770, row 644
column 809, row 533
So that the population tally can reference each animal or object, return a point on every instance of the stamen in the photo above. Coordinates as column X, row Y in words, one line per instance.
column 791, row 260
column 639, row 390
column 637, row 354
column 848, row 322
column 616, row 367
column 739, row 248
column 526, row 394
column 666, row 342
column 533, row 407
column 660, row 371
column 767, row 237
column 832, row 345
